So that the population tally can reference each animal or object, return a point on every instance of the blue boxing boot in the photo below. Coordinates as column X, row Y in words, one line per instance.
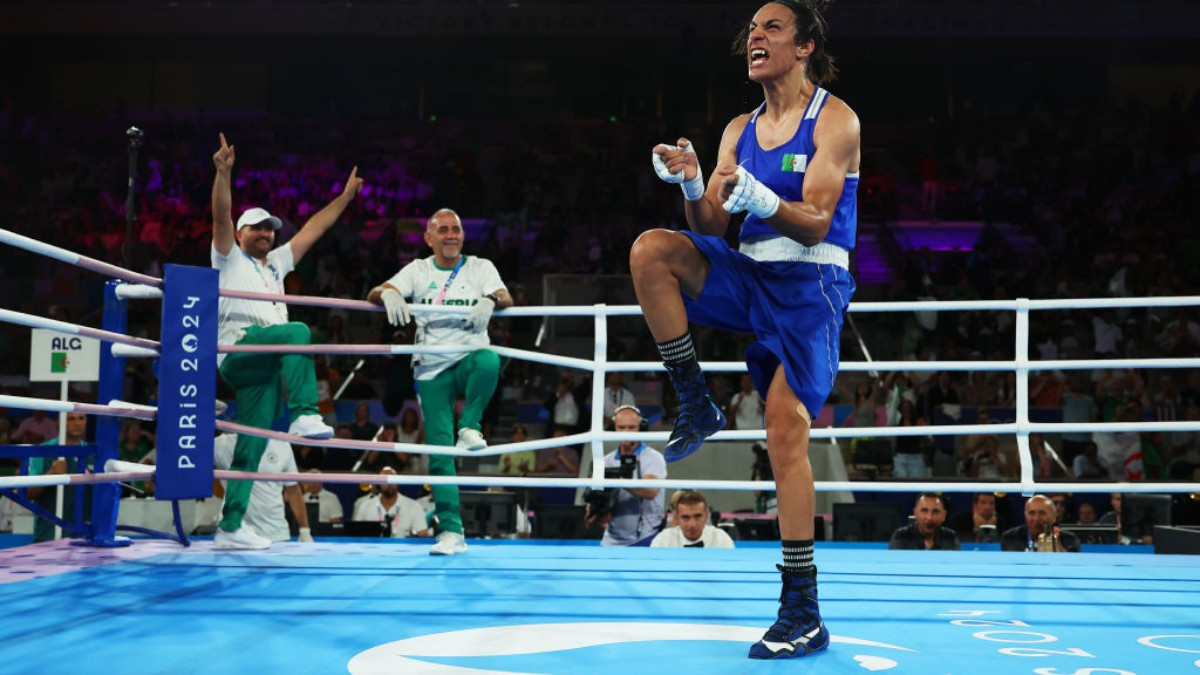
column 698, row 416
column 799, row 630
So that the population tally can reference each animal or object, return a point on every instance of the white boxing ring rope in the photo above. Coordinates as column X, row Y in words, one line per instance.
column 599, row 365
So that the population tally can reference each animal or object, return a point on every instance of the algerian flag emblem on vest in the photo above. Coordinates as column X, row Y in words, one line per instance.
column 794, row 163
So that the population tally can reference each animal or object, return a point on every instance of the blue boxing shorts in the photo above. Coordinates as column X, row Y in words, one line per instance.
column 793, row 309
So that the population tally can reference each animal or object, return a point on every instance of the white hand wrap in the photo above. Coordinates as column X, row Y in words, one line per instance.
column 480, row 314
column 305, row 535
column 692, row 189
column 397, row 309
column 751, row 195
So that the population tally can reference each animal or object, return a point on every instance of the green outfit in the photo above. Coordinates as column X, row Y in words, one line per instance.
column 260, row 382
column 475, row 378
column 43, row 530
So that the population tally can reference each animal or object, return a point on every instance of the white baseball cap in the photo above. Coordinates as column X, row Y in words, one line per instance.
column 255, row 216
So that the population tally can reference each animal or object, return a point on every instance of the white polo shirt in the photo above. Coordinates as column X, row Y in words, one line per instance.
column 423, row 282
column 407, row 516
column 241, row 272
column 265, row 513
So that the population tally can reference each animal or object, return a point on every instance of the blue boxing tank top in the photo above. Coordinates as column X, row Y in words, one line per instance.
column 782, row 170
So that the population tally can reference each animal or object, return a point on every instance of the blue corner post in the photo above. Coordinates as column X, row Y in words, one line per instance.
column 187, row 383
column 106, row 496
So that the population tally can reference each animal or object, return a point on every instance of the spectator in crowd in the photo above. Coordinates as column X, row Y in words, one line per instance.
column 46, row 496
column 328, row 381
column 926, row 532
column 563, row 406
column 942, row 393
column 746, row 409
column 1062, row 507
column 363, row 428
column 134, row 445
column 37, row 428
column 989, row 462
column 693, row 525
column 521, row 462
column 616, row 394
column 1077, row 406
column 561, row 460
column 982, row 523
column 309, row 457
column 980, row 392
column 908, row 459
column 1047, row 465
column 765, row 501
column 373, row 461
column 340, row 460
column 1088, row 464
column 1086, row 514
column 1114, row 517
column 411, row 430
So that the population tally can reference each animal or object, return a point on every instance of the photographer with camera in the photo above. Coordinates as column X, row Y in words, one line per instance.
column 630, row 517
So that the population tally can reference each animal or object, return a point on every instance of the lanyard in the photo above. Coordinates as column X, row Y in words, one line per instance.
column 449, row 280
column 259, row 268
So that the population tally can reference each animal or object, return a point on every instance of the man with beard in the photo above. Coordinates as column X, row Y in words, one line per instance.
column 401, row 517
column 248, row 260
column 926, row 533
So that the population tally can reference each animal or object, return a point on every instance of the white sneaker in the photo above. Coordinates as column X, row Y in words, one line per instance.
column 449, row 543
column 310, row 426
column 241, row 539
column 470, row 439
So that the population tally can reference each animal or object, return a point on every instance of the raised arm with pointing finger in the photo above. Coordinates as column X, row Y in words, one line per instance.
column 247, row 259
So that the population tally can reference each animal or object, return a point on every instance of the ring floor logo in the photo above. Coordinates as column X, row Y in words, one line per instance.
column 604, row 647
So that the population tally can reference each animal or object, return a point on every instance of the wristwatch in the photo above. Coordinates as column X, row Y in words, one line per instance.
column 494, row 298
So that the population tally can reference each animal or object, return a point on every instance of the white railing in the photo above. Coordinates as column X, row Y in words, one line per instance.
column 145, row 287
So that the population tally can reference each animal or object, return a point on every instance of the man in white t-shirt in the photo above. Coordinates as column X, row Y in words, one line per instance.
column 402, row 516
column 265, row 514
column 455, row 280
column 247, row 260
column 746, row 409
column 692, row 527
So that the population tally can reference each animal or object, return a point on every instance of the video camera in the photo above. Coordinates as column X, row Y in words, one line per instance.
column 602, row 502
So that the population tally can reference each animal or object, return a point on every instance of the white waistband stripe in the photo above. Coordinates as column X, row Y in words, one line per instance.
column 782, row 248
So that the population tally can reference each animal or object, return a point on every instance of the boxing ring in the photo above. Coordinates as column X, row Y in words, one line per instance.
column 169, row 604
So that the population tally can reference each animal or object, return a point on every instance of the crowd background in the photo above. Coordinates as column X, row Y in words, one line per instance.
column 1064, row 142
